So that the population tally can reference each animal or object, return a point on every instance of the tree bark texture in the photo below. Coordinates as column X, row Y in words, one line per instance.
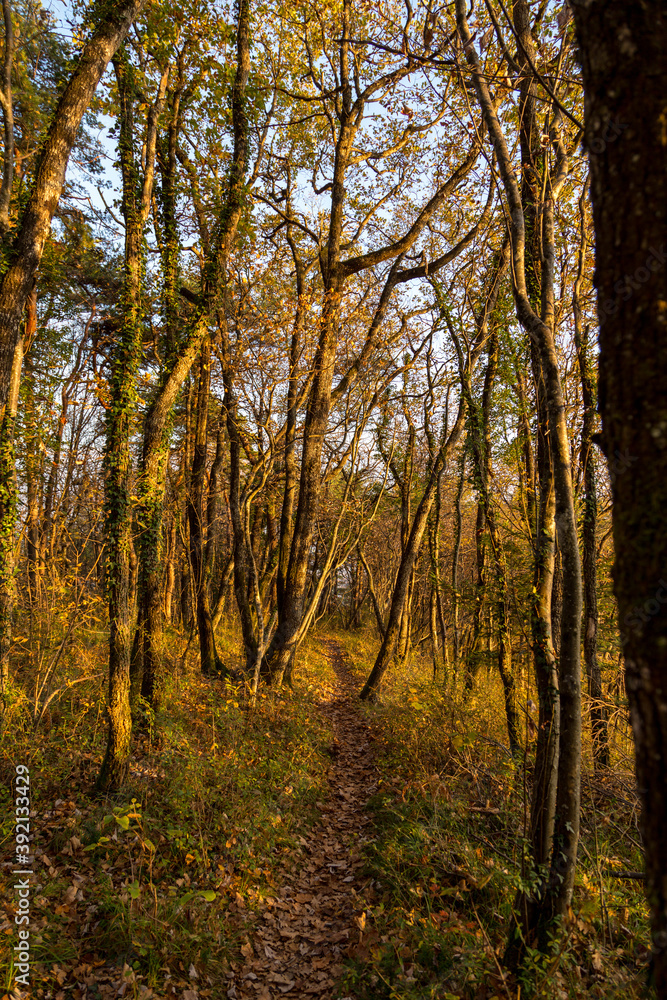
column 196, row 511
column 125, row 359
column 624, row 60
column 539, row 328
column 588, row 466
column 35, row 224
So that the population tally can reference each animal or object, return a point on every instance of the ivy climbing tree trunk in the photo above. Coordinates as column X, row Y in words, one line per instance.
column 183, row 356
column 7, row 104
column 25, row 255
column 125, row 359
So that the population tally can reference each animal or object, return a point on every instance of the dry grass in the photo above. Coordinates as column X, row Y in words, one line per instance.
column 451, row 848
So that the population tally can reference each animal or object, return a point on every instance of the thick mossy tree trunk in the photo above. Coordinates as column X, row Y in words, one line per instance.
column 146, row 666
column 125, row 360
column 181, row 358
column 137, row 197
column 624, row 59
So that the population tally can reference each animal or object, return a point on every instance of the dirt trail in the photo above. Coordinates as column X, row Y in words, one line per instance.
column 303, row 934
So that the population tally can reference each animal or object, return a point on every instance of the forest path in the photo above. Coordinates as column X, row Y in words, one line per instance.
column 302, row 934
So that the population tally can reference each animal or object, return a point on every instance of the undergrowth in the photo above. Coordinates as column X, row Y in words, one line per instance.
column 152, row 892
column 451, row 852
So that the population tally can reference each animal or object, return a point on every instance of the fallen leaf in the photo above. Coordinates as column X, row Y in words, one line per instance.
column 70, row 895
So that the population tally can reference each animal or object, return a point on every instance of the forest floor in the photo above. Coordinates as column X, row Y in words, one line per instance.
column 307, row 846
column 303, row 934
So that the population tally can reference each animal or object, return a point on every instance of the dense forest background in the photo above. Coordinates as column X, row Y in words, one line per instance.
column 299, row 404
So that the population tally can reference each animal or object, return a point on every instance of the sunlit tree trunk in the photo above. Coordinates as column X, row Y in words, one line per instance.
column 540, row 328
column 32, row 463
column 26, row 253
column 125, row 359
column 8, row 515
column 181, row 359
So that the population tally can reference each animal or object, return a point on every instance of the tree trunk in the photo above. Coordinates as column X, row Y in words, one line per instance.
column 196, row 509
column 540, row 328
column 372, row 591
column 455, row 561
column 156, row 422
column 588, row 464
column 8, row 516
column 475, row 652
column 6, row 100
column 335, row 272
column 35, row 224
column 32, row 464
column 170, row 574
column 125, row 360
column 155, row 450
column 438, row 582
column 242, row 555
column 623, row 50
column 480, row 441
column 409, row 558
